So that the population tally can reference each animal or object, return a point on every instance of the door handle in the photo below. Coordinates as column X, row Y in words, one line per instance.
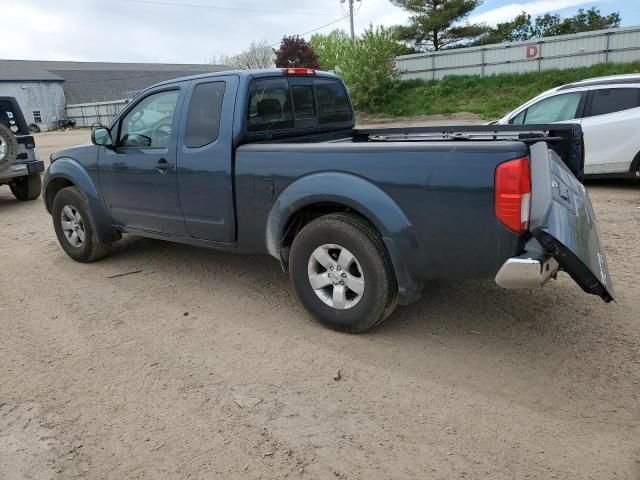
column 163, row 165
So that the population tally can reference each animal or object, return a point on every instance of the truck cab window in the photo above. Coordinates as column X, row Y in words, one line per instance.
column 203, row 119
column 333, row 103
column 149, row 123
column 270, row 106
column 303, row 104
column 610, row 100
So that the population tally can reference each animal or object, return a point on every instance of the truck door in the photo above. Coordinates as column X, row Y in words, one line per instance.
column 205, row 174
column 138, row 174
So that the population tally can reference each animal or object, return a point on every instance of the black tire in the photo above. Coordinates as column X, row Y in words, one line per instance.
column 355, row 234
column 90, row 250
column 9, row 147
column 34, row 128
column 26, row 188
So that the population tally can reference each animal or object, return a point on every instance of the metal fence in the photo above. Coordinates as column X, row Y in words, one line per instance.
column 86, row 114
column 620, row 45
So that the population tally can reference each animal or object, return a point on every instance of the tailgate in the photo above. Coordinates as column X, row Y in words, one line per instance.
column 563, row 222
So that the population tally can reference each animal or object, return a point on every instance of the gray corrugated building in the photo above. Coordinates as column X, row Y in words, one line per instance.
column 44, row 88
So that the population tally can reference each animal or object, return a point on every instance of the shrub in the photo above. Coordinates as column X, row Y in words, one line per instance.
column 366, row 64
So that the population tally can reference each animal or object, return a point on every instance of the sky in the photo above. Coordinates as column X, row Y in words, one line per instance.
column 197, row 31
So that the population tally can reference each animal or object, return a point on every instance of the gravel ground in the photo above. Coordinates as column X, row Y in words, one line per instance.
column 204, row 365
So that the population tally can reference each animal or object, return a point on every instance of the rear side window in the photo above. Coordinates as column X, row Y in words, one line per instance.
column 610, row 100
column 270, row 106
column 333, row 103
column 203, row 119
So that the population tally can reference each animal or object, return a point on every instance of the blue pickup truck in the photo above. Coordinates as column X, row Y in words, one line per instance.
column 269, row 161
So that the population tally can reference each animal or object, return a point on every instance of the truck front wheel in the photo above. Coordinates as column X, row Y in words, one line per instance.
column 74, row 228
column 27, row 187
column 342, row 273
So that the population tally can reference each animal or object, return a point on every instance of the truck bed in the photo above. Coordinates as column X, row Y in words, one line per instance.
column 564, row 139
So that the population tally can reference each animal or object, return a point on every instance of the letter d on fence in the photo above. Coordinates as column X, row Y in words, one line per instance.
column 531, row 51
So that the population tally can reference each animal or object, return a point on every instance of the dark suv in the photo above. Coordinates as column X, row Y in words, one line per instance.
column 20, row 165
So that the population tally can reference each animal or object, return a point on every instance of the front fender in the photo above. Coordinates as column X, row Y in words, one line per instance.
column 67, row 170
column 363, row 197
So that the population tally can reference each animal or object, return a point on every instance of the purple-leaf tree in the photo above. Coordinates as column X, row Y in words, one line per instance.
column 295, row 51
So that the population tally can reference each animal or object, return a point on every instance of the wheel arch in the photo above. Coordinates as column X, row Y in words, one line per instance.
column 66, row 172
column 331, row 192
column 634, row 170
column 52, row 188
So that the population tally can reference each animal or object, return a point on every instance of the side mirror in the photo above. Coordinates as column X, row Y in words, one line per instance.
column 101, row 136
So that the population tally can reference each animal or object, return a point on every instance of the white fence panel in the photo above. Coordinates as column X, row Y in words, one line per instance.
column 87, row 114
column 618, row 45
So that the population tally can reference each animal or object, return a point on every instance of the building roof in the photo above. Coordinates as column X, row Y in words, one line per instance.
column 17, row 71
column 99, row 81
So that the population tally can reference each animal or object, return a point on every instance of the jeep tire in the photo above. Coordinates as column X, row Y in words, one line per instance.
column 8, row 147
column 27, row 187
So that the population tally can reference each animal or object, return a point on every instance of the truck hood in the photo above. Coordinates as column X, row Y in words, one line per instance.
column 78, row 152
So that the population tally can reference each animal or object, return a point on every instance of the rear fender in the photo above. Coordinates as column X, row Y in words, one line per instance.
column 363, row 197
column 71, row 171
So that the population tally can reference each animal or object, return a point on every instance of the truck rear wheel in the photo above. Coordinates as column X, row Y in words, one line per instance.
column 8, row 147
column 342, row 273
column 74, row 227
column 27, row 187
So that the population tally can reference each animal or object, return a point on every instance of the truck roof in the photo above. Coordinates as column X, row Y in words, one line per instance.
column 256, row 73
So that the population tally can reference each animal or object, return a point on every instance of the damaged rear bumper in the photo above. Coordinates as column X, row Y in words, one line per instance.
column 526, row 272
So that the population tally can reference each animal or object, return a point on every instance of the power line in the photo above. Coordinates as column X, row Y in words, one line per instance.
column 298, row 35
column 320, row 28
column 232, row 9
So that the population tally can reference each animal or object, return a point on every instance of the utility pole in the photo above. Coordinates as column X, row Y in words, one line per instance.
column 351, row 14
column 353, row 33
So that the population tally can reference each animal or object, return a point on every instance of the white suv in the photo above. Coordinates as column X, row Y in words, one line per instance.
column 608, row 108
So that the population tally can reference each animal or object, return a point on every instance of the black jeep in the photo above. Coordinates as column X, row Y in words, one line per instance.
column 20, row 165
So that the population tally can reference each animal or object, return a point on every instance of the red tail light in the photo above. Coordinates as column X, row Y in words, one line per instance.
column 299, row 71
column 513, row 194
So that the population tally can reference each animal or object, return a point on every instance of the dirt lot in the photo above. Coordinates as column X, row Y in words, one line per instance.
column 204, row 365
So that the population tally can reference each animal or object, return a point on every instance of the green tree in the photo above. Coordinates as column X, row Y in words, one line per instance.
column 331, row 49
column 367, row 65
column 583, row 21
column 435, row 24
column 524, row 28
column 518, row 29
